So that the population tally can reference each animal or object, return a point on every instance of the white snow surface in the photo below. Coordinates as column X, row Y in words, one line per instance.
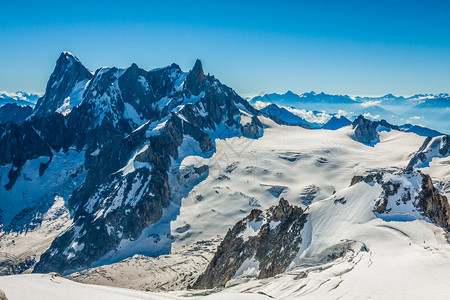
column 375, row 256
column 46, row 195
column 49, row 287
column 74, row 99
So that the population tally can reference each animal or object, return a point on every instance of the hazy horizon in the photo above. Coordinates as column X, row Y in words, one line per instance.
column 349, row 47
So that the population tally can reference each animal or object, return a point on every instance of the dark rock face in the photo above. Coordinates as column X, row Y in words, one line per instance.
column 434, row 205
column 390, row 188
column 68, row 72
column 273, row 246
column 14, row 113
column 11, row 265
column 283, row 117
column 196, row 79
column 20, row 143
column 426, row 199
column 377, row 177
column 254, row 129
column 365, row 131
column 130, row 123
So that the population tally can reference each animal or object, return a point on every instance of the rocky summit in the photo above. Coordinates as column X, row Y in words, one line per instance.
column 365, row 131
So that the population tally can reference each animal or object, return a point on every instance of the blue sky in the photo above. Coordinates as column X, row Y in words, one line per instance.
column 347, row 47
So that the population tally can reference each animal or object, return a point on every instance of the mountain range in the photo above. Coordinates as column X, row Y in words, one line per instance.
column 168, row 181
column 19, row 98
column 426, row 110
column 120, row 134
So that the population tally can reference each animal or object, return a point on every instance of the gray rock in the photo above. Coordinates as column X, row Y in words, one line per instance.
column 434, row 205
column 274, row 247
column 67, row 73
column 365, row 131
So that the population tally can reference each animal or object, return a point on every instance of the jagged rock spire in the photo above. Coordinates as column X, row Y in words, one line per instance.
column 196, row 78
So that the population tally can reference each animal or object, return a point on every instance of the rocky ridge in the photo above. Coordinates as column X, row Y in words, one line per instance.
column 432, row 147
column 408, row 195
column 262, row 245
column 134, row 126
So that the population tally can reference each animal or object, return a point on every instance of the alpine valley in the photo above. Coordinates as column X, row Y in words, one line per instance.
column 165, row 184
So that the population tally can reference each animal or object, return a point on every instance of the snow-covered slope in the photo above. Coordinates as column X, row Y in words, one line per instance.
column 432, row 147
column 349, row 250
column 49, row 287
column 308, row 168
column 124, row 174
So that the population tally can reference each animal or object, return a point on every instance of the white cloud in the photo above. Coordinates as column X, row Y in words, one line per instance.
column 310, row 116
column 260, row 104
column 342, row 113
column 370, row 103
column 369, row 116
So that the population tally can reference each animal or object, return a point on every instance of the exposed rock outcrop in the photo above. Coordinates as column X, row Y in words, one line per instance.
column 68, row 72
column 432, row 147
column 434, row 205
column 264, row 243
column 365, row 131
column 20, row 143
column 400, row 189
column 196, row 78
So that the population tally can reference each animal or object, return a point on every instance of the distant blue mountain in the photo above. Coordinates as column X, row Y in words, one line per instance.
column 337, row 122
column 19, row 98
column 292, row 99
column 281, row 114
column 422, row 110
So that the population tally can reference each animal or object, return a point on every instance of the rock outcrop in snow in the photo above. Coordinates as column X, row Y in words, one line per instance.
column 432, row 147
column 434, row 205
column 3, row 296
column 262, row 245
column 365, row 131
column 408, row 196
